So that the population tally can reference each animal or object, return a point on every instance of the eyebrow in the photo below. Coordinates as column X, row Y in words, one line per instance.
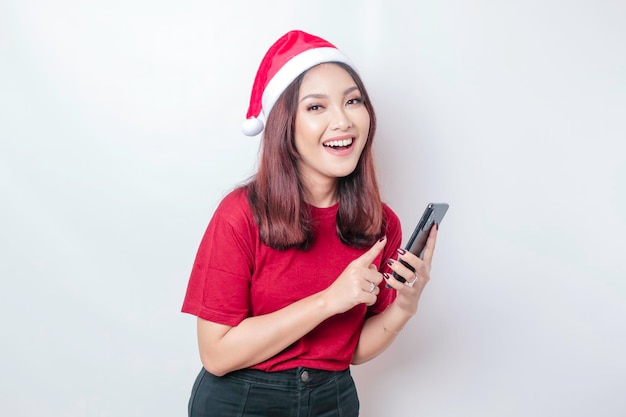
column 318, row 96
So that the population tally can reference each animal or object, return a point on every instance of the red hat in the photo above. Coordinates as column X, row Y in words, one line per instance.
column 291, row 55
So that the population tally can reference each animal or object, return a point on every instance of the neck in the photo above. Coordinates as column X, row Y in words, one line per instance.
column 320, row 195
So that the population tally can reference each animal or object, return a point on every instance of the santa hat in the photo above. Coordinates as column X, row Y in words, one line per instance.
column 291, row 55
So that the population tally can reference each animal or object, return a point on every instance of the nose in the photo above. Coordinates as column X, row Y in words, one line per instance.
column 340, row 119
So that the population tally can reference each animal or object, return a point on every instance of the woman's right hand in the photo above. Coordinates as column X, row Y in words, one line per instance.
column 357, row 284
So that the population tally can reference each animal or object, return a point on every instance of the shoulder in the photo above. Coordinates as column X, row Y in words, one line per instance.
column 232, row 226
column 235, row 211
column 391, row 218
column 234, row 205
column 393, row 227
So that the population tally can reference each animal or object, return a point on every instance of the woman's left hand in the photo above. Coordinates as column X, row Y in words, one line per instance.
column 409, row 292
column 394, row 318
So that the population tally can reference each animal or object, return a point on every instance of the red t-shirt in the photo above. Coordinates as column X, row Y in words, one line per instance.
column 235, row 275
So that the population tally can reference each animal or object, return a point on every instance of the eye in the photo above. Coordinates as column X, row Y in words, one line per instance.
column 314, row 107
column 354, row 101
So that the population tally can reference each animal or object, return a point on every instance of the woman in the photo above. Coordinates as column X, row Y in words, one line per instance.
column 291, row 283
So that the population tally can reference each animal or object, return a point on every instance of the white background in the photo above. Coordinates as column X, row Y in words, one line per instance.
column 120, row 132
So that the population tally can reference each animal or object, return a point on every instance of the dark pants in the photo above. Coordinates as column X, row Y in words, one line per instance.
column 301, row 392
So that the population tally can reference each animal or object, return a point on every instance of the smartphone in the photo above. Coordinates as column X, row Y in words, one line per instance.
column 433, row 214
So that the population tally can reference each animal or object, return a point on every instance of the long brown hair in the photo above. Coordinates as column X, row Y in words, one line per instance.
column 276, row 193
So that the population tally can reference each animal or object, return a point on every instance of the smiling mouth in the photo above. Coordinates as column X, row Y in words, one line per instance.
column 339, row 144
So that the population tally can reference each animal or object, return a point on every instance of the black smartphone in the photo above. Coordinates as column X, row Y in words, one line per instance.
column 433, row 214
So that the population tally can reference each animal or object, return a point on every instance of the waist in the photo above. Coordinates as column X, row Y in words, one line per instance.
column 296, row 377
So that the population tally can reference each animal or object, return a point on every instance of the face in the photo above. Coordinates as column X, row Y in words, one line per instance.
column 331, row 125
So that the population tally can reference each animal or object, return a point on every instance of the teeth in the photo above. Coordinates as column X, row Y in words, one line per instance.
column 333, row 143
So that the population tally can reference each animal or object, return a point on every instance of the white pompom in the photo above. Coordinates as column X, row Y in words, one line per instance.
column 252, row 127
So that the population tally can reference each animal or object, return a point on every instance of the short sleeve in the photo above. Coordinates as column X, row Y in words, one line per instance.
column 219, row 285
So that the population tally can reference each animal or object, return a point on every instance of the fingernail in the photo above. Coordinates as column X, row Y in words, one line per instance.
column 390, row 262
column 401, row 251
column 386, row 276
column 382, row 238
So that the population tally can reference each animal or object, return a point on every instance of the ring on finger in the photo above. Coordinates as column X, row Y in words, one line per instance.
column 410, row 283
column 372, row 288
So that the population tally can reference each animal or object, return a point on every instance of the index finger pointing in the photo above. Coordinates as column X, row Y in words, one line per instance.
column 368, row 257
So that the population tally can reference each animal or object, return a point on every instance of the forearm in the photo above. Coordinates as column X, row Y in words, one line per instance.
column 259, row 338
column 379, row 332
